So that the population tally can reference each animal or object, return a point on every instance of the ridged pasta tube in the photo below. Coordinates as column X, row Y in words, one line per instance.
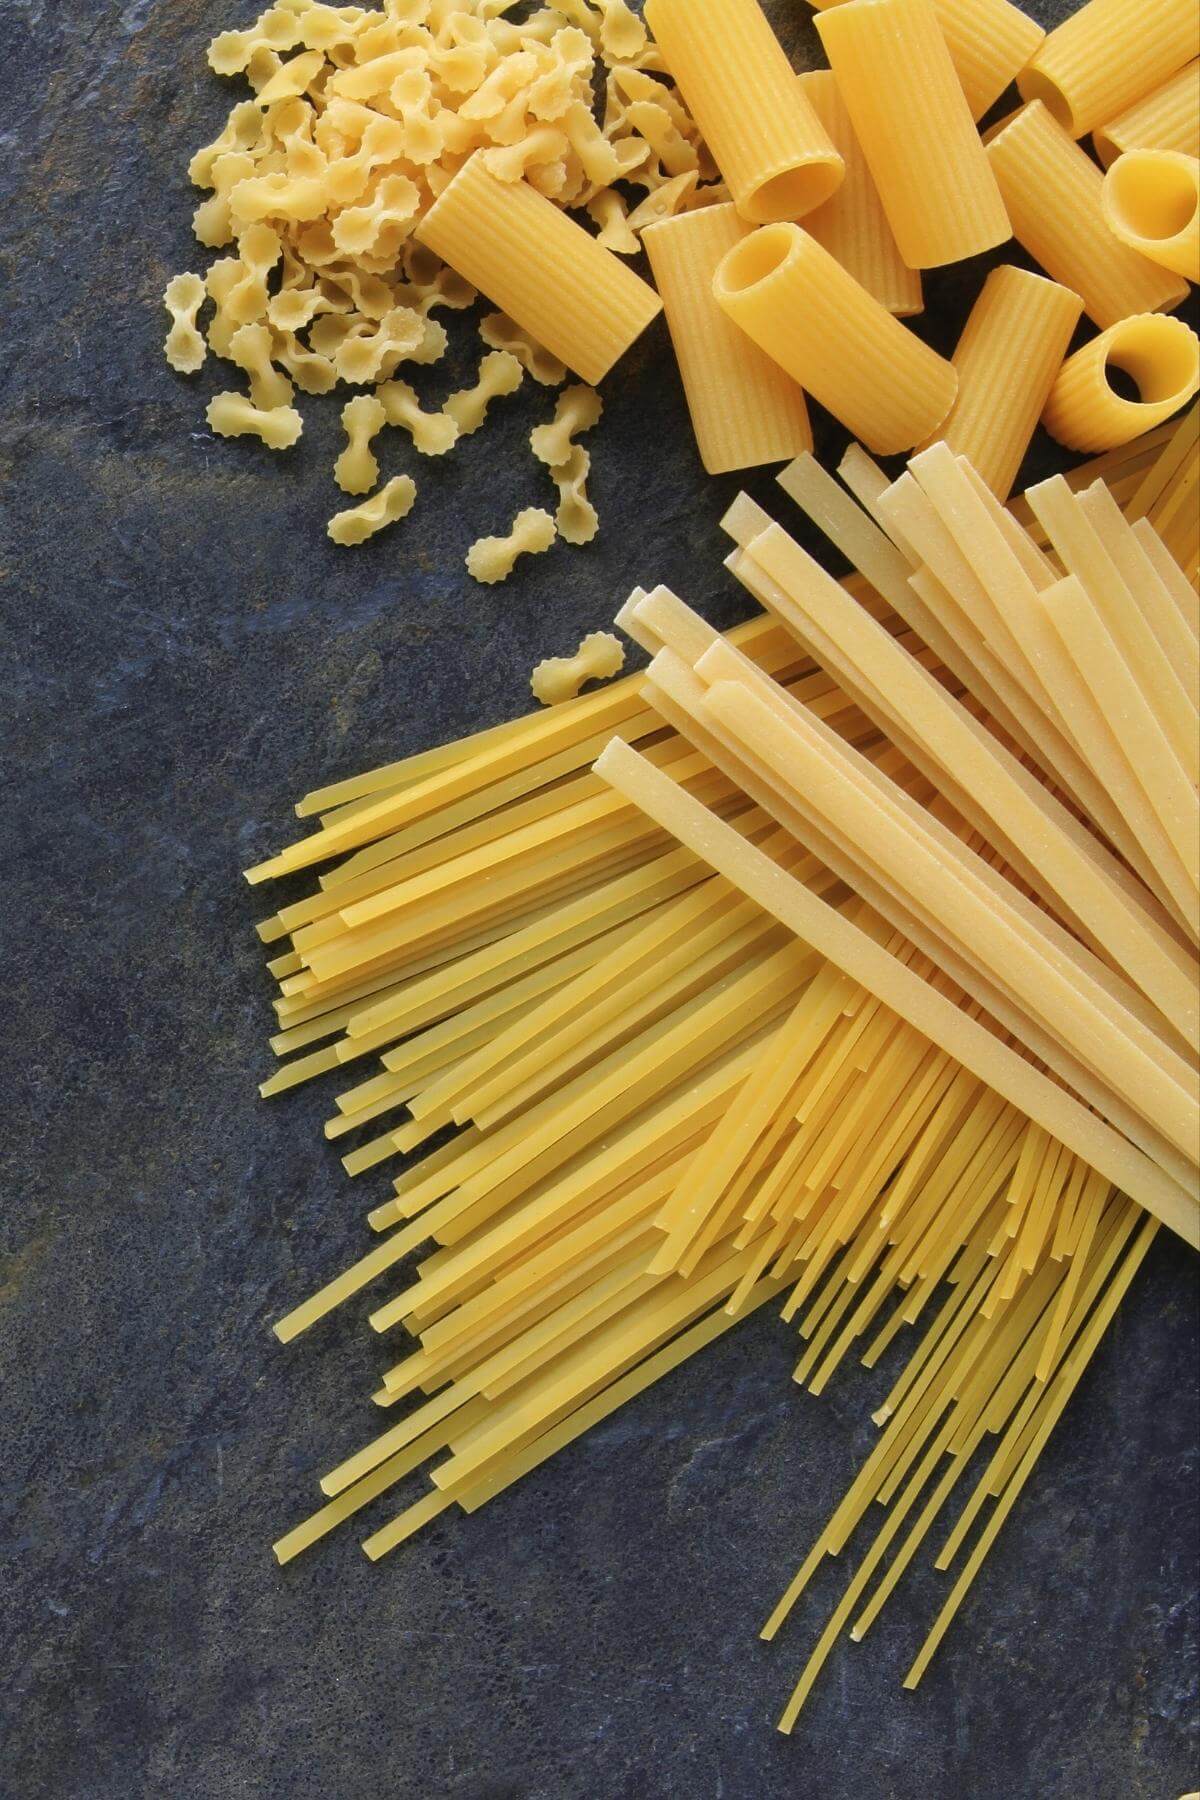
column 787, row 293
column 539, row 267
column 1085, row 412
column 739, row 87
column 990, row 42
column 1052, row 190
column 745, row 410
column 1106, row 56
column 1007, row 358
column 1151, row 200
column 911, row 117
column 1167, row 119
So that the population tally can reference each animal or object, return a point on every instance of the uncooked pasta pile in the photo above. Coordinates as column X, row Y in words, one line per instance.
column 792, row 996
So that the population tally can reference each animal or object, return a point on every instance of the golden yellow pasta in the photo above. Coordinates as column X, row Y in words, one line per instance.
column 432, row 433
column 393, row 501
column 1053, row 190
column 990, row 42
column 1106, row 56
column 576, row 519
column 744, row 410
column 1167, row 119
column 578, row 410
column 356, row 470
column 739, row 87
column 1007, row 358
column 852, row 224
column 252, row 348
column 559, row 678
column 500, row 333
column 492, row 559
column 786, row 292
column 1151, row 200
column 540, row 268
column 233, row 415
column 184, row 347
column 1085, row 411
column 500, row 374
column 910, row 116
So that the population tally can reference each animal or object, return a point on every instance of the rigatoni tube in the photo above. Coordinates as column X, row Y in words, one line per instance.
column 745, row 410
column 989, row 41
column 740, row 89
column 538, row 266
column 852, row 224
column 1151, row 200
column 1167, row 119
column 787, row 293
column 911, row 117
column 1085, row 411
column 1052, row 190
column 1008, row 356
column 1107, row 55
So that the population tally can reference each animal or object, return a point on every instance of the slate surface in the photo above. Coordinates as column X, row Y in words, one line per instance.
column 184, row 653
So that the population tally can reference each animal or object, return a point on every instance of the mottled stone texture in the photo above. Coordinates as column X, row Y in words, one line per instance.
column 185, row 653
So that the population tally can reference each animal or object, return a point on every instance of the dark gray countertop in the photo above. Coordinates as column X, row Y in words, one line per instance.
column 184, row 654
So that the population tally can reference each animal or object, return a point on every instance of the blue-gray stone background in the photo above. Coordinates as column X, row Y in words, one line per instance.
column 184, row 654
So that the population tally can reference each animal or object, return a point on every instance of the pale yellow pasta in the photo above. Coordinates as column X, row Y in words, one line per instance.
column 540, row 268
column 576, row 519
column 492, row 559
column 744, row 410
column 989, row 42
column 1167, row 119
column 432, row 433
column 499, row 374
column 578, row 410
column 499, row 332
column 1052, row 190
column 1151, row 200
column 1106, row 56
column 852, row 224
column 599, row 657
column 393, row 501
column 184, row 347
column 252, row 347
column 1007, row 358
column 739, row 87
column 1085, row 412
column 356, row 470
column 787, row 293
column 910, row 116
column 233, row 415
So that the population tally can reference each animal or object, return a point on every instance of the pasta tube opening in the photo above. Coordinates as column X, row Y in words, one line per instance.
column 1151, row 194
column 1160, row 356
column 755, row 259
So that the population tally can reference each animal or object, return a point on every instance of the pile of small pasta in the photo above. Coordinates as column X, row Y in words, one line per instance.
column 317, row 191
column 696, row 1047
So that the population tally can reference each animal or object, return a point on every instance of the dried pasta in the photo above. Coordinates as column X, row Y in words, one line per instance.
column 787, row 293
column 990, row 42
column 500, row 333
column 575, row 518
column 432, row 433
column 539, row 267
column 558, row 678
column 1053, row 193
column 184, row 348
column 1107, row 56
column 394, row 501
column 852, row 224
column 500, row 373
column 492, row 559
column 1167, row 119
column 357, row 470
column 914, row 125
column 737, row 82
column 1151, row 201
column 1085, row 411
column 744, row 409
column 1010, row 352
column 578, row 409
